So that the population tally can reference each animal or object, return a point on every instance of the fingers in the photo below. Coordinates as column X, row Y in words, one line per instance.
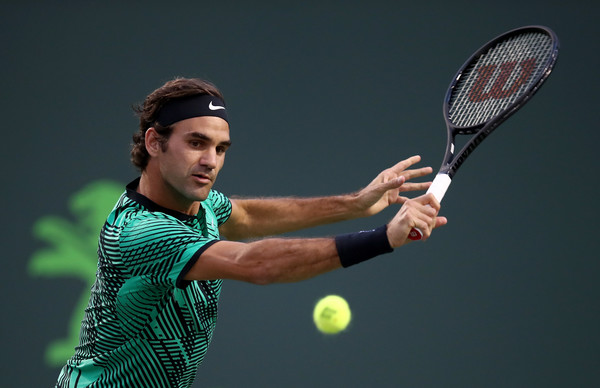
column 416, row 173
column 401, row 199
column 384, row 190
column 404, row 164
column 387, row 185
column 390, row 189
column 420, row 213
column 425, row 223
column 396, row 198
column 440, row 221
column 394, row 183
column 429, row 200
column 401, row 169
column 424, row 219
column 414, row 186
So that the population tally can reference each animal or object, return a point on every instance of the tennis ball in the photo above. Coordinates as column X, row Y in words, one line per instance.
column 332, row 314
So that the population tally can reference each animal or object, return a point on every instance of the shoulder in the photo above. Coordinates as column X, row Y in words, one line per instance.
column 220, row 205
column 217, row 199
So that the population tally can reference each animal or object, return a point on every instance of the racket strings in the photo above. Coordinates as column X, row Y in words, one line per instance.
column 492, row 82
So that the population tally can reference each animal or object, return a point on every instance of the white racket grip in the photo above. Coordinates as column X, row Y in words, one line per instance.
column 438, row 188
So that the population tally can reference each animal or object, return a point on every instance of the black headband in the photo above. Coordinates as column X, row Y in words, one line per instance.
column 188, row 107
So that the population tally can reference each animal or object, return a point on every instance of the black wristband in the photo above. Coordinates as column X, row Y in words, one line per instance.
column 354, row 248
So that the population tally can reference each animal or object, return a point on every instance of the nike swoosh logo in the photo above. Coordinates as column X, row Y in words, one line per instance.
column 215, row 107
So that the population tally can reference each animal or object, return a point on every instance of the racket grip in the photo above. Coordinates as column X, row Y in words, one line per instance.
column 438, row 188
column 415, row 234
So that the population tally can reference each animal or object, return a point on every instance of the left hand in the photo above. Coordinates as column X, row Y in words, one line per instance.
column 385, row 189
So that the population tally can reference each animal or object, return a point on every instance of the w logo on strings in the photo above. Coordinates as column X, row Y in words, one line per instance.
column 506, row 79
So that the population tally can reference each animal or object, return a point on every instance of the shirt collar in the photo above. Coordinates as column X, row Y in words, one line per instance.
column 152, row 206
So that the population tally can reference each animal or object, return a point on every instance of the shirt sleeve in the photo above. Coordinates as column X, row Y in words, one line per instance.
column 161, row 247
column 221, row 206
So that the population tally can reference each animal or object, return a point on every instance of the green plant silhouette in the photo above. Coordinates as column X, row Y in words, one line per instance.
column 73, row 252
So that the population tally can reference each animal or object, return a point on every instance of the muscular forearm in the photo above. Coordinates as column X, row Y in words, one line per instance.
column 273, row 216
column 273, row 260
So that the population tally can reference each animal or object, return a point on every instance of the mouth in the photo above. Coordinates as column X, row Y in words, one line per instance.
column 202, row 178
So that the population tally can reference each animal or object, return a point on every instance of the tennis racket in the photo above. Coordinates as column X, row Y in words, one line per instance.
column 494, row 83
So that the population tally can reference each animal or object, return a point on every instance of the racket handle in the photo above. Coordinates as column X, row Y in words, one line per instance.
column 438, row 188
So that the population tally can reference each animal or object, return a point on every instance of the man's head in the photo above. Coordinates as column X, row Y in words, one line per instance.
column 172, row 92
column 181, row 143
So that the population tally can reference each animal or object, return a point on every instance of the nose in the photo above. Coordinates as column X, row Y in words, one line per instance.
column 209, row 158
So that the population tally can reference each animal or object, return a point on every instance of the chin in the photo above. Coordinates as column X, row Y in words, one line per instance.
column 201, row 195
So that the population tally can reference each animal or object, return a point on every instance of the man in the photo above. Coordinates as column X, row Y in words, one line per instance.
column 161, row 261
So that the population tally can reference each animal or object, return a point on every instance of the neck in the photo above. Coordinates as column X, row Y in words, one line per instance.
column 160, row 192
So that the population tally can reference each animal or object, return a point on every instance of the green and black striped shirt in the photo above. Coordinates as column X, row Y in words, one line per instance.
column 145, row 326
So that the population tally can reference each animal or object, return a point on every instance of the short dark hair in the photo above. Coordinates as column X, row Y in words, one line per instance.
column 148, row 112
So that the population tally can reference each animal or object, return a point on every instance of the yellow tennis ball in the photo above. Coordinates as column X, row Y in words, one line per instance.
column 332, row 314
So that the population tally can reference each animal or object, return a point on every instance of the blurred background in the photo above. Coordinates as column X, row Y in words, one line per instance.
column 321, row 97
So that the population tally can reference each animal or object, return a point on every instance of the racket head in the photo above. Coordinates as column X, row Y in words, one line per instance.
column 496, row 81
column 502, row 74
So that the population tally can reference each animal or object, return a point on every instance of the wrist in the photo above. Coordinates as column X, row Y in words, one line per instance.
column 355, row 206
column 354, row 248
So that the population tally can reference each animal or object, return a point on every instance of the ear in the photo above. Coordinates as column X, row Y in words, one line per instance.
column 152, row 142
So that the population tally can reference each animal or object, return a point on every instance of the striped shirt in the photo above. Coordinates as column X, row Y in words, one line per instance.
column 145, row 325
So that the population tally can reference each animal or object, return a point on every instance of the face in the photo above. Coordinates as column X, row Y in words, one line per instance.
column 194, row 155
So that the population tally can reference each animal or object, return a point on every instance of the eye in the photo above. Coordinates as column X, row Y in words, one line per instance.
column 196, row 143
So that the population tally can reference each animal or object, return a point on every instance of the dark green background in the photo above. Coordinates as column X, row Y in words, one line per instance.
column 322, row 96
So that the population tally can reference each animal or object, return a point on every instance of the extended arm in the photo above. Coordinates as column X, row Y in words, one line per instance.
column 277, row 260
column 272, row 216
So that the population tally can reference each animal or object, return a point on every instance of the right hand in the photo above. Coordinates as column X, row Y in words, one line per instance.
column 420, row 212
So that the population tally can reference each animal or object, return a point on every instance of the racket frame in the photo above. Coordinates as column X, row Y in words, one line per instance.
column 453, row 160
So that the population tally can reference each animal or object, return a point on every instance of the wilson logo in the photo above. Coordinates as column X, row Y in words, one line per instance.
column 505, row 83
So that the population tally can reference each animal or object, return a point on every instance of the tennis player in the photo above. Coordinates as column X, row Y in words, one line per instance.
column 161, row 259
